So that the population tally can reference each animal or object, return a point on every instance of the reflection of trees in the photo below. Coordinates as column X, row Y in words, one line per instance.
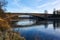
column 56, row 24
column 46, row 24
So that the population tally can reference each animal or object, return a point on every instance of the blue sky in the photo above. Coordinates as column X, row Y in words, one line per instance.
column 32, row 6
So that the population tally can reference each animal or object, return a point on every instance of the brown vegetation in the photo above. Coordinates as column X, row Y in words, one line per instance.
column 4, row 24
column 5, row 28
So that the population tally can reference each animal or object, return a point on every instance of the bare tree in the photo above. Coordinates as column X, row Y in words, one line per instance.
column 2, row 5
column 46, row 12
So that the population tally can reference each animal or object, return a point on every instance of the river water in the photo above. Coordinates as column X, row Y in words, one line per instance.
column 39, row 30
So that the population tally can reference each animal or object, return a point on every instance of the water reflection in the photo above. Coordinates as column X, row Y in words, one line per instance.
column 56, row 24
column 41, row 30
column 25, row 22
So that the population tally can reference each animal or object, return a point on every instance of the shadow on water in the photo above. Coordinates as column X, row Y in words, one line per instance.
column 41, row 30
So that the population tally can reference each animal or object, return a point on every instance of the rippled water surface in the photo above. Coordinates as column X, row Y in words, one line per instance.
column 41, row 30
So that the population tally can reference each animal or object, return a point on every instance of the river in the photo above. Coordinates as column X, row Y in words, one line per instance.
column 39, row 30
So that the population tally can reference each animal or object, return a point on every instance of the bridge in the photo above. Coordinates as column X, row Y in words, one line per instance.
column 33, row 14
column 15, row 17
column 37, row 16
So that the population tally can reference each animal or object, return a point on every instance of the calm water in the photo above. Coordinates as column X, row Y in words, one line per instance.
column 41, row 30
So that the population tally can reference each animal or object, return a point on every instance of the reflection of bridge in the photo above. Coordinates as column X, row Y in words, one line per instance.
column 55, row 23
column 35, row 23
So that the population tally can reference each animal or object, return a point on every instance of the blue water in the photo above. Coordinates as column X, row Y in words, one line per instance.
column 43, row 31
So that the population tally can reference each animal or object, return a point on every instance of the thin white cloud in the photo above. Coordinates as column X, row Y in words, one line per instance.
column 23, row 8
column 43, row 5
column 29, row 10
column 16, row 2
column 55, row 2
column 49, row 4
column 38, row 0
